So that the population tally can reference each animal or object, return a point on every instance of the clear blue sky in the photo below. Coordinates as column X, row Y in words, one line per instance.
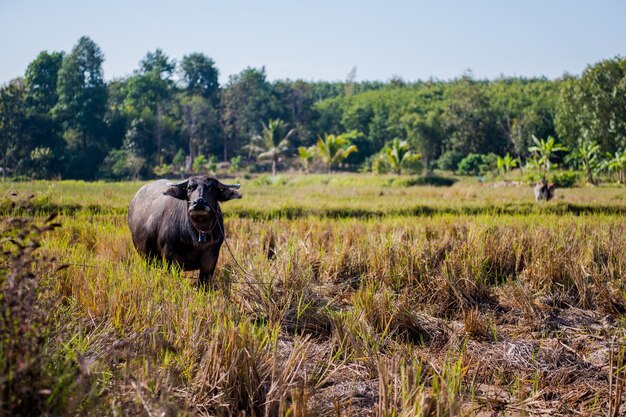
column 324, row 40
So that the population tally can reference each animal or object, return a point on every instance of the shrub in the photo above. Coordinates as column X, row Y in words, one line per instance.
column 379, row 165
column 42, row 159
column 413, row 165
column 449, row 161
column 531, row 178
column 565, row 179
column 203, row 164
column 179, row 158
column 433, row 180
column 235, row 163
column 266, row 180
column 25, row 315
column 122, row 164
column 477, row 164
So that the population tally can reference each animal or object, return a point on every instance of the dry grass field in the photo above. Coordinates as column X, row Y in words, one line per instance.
column 346, row 295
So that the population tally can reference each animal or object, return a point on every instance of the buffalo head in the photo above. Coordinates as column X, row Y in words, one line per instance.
column 203, row 194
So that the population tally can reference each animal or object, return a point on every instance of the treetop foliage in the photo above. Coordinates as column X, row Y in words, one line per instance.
column 63, row 120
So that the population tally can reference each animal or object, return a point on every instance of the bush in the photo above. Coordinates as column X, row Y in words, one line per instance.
column 235, row 163
column 379, row 165
column 565, row 179
column 26, row 323
column 413, row 165
column 203, row 164
column 122, row 164
column 433, row 180
column 562, row 179
column 477, row 164
column 449, row 161
column 269, row 180
column 42, row 160
column 531, row 178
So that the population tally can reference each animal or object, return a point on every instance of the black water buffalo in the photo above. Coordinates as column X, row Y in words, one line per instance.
column 544, row 191
column 181, row 222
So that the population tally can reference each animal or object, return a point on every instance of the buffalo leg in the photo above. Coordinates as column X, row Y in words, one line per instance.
column 203, row 279
column 208, row 267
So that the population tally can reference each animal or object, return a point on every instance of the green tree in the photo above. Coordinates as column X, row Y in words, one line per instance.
column 42, row 131
column 82, row 90
column 151, row 85
column 118, row 117
column 296, row 108
column 529, row 122
column 200, row 76
column 523, row 107
column 593, row 107
column 12, row 124
column 201, row 122
column 41, row 81
column 82, row 105
column 159, row 63
column 201, row 102
column 24, row 129
column 426, row 133
column 274, row 141
column 246, row 100
column 332, row 149
column 471, row 122
column 149, row 96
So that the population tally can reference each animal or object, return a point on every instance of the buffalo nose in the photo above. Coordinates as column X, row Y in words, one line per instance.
column 199, row 202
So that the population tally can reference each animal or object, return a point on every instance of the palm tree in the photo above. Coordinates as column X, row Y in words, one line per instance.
column 272, row 143
column 544, row 148
column 398, row 153
column 306, row 156
column 332, row 149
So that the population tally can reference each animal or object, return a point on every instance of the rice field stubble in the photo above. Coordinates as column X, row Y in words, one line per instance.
column 444, row 313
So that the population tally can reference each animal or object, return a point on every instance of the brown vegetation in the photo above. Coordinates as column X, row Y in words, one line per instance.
column 441, row 315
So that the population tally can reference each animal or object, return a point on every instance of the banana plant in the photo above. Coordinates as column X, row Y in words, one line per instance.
column 506, row 164
column 616, row 165
column 543, row 150
column 588, row 153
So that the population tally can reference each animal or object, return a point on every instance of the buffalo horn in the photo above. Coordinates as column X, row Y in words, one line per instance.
column 235, row 186
column 182, row 184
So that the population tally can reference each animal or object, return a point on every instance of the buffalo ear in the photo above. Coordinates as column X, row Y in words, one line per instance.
column 177, row 190
column 225, row 194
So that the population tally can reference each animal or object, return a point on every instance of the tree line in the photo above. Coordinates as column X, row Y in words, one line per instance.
column 62, row 119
